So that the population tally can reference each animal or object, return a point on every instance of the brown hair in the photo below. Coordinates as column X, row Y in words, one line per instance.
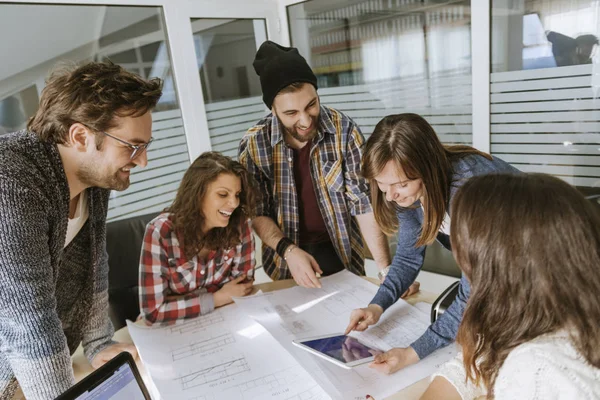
column 91, row 94
column 411, row 143
column 187, row 206
column 530, row 246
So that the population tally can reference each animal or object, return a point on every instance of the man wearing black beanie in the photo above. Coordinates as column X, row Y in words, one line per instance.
column 306, row 160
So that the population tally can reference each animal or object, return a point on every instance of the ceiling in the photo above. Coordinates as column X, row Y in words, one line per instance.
column 39, row 33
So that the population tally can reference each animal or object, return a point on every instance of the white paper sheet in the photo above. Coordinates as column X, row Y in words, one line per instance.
column 224, row 355
column 298, row 313
column 425, row 308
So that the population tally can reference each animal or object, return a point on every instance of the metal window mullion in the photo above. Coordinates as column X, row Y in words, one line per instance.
column 187, row 80
column 480, row 67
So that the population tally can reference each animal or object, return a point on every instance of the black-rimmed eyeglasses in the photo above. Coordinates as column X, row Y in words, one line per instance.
column 136, row 149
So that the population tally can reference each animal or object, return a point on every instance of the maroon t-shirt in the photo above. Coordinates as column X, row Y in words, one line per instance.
column 312, row 225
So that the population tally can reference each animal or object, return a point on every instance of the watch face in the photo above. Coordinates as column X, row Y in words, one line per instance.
column 383, row 273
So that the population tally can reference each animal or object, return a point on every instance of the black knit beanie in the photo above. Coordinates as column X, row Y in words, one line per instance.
column 278, row 67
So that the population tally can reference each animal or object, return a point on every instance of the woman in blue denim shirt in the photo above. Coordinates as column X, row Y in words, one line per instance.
column 413, row 181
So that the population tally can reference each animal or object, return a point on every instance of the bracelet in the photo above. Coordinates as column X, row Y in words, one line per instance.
column 288, row 251
column 282, row 245
column 383, row 273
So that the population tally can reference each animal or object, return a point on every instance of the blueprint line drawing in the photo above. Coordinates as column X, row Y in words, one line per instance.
column 203, row 346
column 277, row 385
column 265, row 386
column 327, row 311
column 314, row 393
column 395, row 331
column 296, row 327
column 224, row 355
column 198, row 324
column 283, row 310
column 343, row 303
column 214, row 373
column 228, row 355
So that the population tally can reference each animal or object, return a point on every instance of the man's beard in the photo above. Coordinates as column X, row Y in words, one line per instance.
column 302, row 138
column 92, row 176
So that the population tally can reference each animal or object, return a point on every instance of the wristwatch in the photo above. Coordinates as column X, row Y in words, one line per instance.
column 383, row 273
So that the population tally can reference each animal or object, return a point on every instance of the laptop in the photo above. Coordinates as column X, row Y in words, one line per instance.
column 118, row 379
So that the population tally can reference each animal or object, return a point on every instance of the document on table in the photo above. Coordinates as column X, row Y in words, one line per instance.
column 298, row 313
column 224, row 355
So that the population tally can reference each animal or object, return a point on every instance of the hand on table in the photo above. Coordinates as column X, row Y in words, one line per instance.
column 234, row 288
column 112, row 351
column 412, row 289
column 394, row 360
column 303, row 267
column 362, row 318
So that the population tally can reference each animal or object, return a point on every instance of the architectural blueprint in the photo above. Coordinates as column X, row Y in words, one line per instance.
column 221, row 356
column 298, row 313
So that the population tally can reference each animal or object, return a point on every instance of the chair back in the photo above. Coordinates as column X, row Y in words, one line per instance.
column 124, row 243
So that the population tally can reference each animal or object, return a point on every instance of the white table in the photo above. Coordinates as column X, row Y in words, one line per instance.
column 82, row 367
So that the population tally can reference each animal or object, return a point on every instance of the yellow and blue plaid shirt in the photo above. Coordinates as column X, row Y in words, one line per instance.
column 335, row 170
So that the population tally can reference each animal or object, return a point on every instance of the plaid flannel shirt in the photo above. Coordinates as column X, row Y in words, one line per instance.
column 173, row 288
column 334, row 166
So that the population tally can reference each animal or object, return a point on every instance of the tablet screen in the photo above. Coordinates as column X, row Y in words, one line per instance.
column 343, row 348
column 122, row 385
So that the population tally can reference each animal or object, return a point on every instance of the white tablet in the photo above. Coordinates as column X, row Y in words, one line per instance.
column 342, row 350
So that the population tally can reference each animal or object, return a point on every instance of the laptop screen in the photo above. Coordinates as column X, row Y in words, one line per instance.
column 122, row 385
column 118, row 379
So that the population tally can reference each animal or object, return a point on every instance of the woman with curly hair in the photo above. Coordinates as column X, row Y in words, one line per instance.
column 199, row 253
column 530, row 247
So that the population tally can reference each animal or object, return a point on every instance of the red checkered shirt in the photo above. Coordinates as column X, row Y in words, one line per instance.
column 173, row 288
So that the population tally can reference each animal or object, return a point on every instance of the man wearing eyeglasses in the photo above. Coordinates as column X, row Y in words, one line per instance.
column 93, row 126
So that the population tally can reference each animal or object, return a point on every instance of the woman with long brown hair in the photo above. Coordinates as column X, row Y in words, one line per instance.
column 530, row 247
column 199, row 253
column 413, row 181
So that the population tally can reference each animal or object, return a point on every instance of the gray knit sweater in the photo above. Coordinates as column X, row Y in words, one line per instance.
column 51, row 298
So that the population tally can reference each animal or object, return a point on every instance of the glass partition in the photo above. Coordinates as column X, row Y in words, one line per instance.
column 225, row 50
column 15, row 109
column 374, row 58
column 545, row 111
column 133, row 37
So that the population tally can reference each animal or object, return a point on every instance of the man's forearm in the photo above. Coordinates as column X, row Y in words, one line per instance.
column 375, row 239
column 267, row 230
column 98, row 330
column 45, row 376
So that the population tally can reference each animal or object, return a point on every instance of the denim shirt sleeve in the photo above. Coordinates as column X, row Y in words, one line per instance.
column 407, row 261
column 405, row 267
column 443, row 331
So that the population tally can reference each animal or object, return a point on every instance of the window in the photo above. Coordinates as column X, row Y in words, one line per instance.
column 545, row 113
column 379, row 57
column 130, row 36
column 225, row 50
column 14, row 109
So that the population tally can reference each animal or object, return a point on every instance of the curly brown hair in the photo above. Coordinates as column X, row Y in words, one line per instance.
column 411, row 143
column 187, row 206
column 530, row 246
column 92, row 94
